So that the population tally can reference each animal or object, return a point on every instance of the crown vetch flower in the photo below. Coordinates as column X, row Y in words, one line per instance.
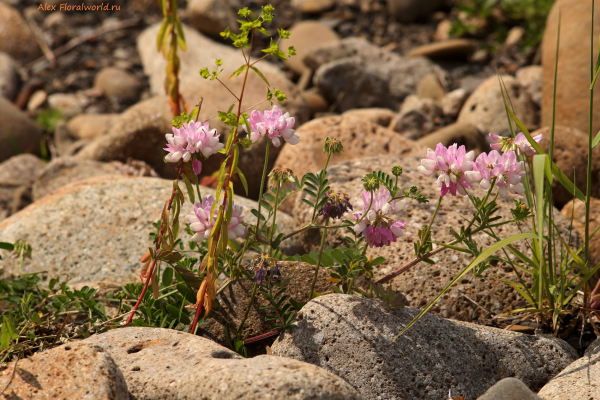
column 451, row 164
column 201, row 223
column 191, row 138
column 273, row 124
column 337, row 204
column 519, row 144
column 378, row 227
column 505, row 168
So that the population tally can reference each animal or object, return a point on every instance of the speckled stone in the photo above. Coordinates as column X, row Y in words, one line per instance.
column 352, row 336
column 72, row 371
column 97, row 230
column 167, row 364
column 423, row 282
column 579, row 381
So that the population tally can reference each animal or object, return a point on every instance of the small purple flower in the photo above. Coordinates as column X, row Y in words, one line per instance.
column 196, row 166
column 266, row 268
column 337, row 204
column 378, row 227
column 191, row 138
column 201, row 223
column 273, row 124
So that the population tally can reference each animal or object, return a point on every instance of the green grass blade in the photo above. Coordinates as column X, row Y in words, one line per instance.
column 483, row 256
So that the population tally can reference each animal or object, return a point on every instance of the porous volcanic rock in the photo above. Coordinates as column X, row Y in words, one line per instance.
column 353, row 337
column 421, row 283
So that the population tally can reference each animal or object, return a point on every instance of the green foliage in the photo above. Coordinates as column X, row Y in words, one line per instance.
column 48, row 119
column 477, row 17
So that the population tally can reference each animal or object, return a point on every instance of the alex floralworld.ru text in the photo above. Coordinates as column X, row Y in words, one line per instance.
column 78, row 7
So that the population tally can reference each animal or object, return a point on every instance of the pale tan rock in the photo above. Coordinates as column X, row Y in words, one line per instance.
column 462, row 134
column 170, row 365
column 531, row 79
column 379, row 116
column 572, row 108
column 211, row 17
column 18, row 132
column 416, row 118
column 312, row 6
column 485, row 107
column 16, row 38
column 91, row 126
column 431, row 88
column 306, row 35
column 354, row 336
column 446, row 48
column 71, row 371
column 452, row 102
column 579, row 381
column 97, row 230
column 118, row 85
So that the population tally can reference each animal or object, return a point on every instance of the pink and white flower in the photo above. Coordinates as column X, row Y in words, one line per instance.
column 274, row 124
column 450, row 164
column 201, row 223
column 518, row 144
column 378, row 227
column 505, row 168
column 191, row 138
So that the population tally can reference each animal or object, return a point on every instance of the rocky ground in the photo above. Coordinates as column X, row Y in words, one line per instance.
column 82, row 121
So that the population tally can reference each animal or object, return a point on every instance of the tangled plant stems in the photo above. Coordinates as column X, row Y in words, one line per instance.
column 221, row 235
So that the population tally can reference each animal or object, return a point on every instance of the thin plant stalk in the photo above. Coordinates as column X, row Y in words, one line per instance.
column 273, row 224
column 314, row 282
column 262, row 186
column 241, row 327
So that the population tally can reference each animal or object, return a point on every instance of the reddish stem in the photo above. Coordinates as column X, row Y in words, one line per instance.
column 147, row 283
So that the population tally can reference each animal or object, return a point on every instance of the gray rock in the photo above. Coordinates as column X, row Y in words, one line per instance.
column 363, row 75
column 211, row 17
column 306, row 35
column 9, row 77
column 417, row 117
column 407, row 11
column 118, row 85
column 201, row 53
column 97, row 230
column 18, row 132
column 421, row 283
column 69, row 104
column 485, row 108
column 354, row 83
column 452, row 102
column 65, row 170
column 167, row 364
column 579, row 381
column 509, row 389
column 352, row 337
column 72, row 371
column 16, row 38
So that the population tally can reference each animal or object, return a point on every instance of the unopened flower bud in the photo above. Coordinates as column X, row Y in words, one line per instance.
column 282, row 178
column 333, row 147
column 371, row 184
column 396, row 171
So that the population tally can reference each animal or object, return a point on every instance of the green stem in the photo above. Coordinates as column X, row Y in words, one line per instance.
column 273, row 225
column 239, row 332
column 588, row 197
column 314, row 282
column 437, row 207
column 262, row 185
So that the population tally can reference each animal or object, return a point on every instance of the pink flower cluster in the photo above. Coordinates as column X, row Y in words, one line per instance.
column 505, row 168
column 274, row 124
column 201, row 223
column 519, row 144
column 451, row 164
column 377, row 227
column 191, row 138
